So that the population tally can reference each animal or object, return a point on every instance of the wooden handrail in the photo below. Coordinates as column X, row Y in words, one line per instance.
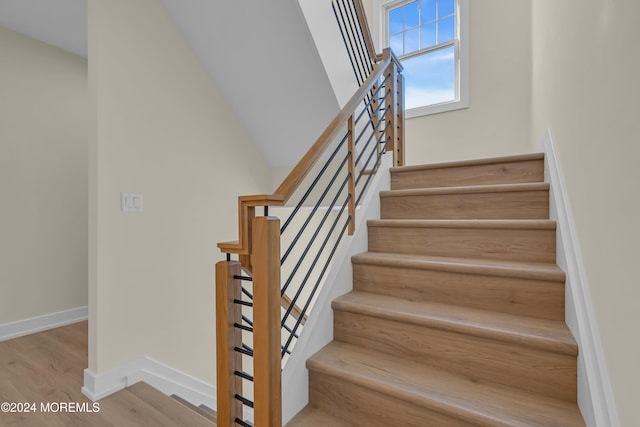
column 366, row 31
column 247, row 204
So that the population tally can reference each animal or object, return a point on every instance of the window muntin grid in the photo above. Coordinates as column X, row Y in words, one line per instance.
column 421, row 25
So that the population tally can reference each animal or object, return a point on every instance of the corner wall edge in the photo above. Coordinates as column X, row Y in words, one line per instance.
column 584, row 324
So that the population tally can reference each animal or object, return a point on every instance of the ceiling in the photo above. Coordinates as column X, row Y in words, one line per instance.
column 260, row 54
column 61, row 23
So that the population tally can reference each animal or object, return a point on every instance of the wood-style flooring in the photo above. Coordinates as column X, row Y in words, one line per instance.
column 47, row 367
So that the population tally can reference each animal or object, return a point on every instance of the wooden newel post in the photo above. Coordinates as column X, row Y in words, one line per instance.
column 266, row 322
column 391, row 116
column 228, row 337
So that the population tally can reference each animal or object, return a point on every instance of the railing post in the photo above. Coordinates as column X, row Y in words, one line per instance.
column 266, row 322
column 352, row 185
column 366, row 31
column 374, row 121
column 227, row 338
column 399, row 151
column 391, row 115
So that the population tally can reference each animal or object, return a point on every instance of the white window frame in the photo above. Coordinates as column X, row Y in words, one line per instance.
column 380, row 30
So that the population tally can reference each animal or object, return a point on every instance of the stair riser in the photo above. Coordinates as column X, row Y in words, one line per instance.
column 502, row 205
column 535, row 298
column 478, row 358
column 496, row 173
column 363, row 406
column 537, row 245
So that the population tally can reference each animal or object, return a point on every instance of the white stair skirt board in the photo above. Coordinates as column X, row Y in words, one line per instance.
column 42, row 323
column 158, row 375
column 595, row 395
column 318, row 329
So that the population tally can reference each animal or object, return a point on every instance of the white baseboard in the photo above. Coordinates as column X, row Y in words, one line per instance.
column 42, row 323
column 98, row 386
column 161, row 377
column 595, row 395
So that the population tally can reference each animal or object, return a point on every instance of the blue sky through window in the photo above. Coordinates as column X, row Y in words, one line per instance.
column 430, row 78
column 418, row 25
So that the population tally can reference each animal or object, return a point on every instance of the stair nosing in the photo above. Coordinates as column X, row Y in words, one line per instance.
column 462, row 163
column 432, row 401
column 482, row 267
column 468, row 189
column 329, row 417
column 196, row 409
column 465, row 326
column 516, row 224
column 448, row 404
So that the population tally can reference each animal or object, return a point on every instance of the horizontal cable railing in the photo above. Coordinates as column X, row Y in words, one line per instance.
column 326, row 211
column 265, row 298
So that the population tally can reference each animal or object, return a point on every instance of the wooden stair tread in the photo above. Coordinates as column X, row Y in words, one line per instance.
column 177, row 412
column 441, row 391
column 313, row 417
column 548, row 335
column 203, row 410
column 521, row 269
column 523, row 224
column 468, row 189
column 474, row 162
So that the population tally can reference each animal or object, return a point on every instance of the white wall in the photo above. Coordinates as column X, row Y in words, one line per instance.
column 43, row 186
column 325, row 31
column 586, row 89
column 160, row 126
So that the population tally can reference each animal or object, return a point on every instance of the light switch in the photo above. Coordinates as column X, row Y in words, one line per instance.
column 131, row 202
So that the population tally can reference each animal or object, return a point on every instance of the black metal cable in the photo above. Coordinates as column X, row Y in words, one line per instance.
column 315, row 182
column 315, row 261
column 314, row 210
column 315, row 288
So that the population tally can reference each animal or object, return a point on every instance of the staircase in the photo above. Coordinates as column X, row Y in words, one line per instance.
column 456, row 317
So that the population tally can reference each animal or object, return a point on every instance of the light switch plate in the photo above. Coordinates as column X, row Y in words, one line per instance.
column 131, row 202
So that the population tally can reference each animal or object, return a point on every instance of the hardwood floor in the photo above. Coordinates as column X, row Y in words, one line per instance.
column 47, row 368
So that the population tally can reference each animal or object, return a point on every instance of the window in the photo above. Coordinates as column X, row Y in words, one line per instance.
column 430, row 38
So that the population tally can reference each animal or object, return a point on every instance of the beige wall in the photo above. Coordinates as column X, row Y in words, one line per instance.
column 497, row 120
column 586, row 89
column 368, row 8
column 160, row 127
column 43, row 186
